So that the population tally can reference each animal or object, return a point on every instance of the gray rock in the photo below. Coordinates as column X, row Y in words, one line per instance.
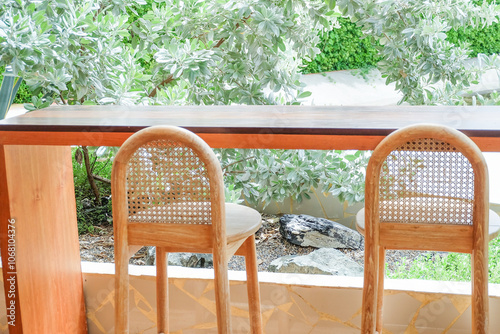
column 325, row 261
column 304, row 230
column 86, row 203
column 192, row 260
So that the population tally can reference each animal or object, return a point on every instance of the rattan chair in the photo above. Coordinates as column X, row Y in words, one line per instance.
column 426, row 189
column 168, row 192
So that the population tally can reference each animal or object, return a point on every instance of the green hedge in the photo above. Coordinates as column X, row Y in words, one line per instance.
column 481, row 40
column 343, row 49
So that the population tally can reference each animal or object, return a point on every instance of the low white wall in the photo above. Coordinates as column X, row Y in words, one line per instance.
column 291, row 303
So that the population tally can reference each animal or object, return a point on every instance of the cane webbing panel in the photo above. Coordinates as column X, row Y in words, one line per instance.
column 167, row 183
column 426, row 181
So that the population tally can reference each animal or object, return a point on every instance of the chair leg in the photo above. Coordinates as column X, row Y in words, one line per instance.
column 121, row 292
column 480, row 302
column 222, row 299
column 370, row 289
column 162, row 290
column 380, row 291
column 253, row 286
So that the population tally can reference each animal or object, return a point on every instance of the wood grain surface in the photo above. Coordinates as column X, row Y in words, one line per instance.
column 248, row 126
column 47, row 255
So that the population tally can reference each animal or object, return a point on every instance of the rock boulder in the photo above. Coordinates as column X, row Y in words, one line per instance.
column 304, row 230
column 325, row 261
column 192, row 260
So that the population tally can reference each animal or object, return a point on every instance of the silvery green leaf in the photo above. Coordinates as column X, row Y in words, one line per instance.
column 107, row 100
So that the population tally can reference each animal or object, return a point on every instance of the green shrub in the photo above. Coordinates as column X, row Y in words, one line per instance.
column 448, row 266
column 24, row 94
column 343, row 48
column 482, row 40
column 263, row 176
column 245, row 52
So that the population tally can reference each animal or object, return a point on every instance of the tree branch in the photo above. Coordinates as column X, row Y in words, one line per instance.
column 388, row 38
column 237, row 162
column 222, row 40
column 102, row 179
column 62, row 99
column 219, row 43
column 95, row 190
column 168, row 80
column 402, row 19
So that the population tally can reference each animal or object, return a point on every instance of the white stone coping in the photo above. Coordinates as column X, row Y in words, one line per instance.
column 341, row 282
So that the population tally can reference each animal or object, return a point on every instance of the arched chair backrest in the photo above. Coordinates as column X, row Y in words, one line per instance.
column 170, row 176
column 427, row 174
column 426, row 189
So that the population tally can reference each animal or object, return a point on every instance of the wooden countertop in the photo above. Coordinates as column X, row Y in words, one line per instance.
column 322, row 127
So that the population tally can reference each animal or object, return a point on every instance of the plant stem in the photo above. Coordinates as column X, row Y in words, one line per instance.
column 90, row 177
column 102, row 179
column 168, row 80
column 237, row 162
column 222, row 40
column 62, row 99
column 402, row 19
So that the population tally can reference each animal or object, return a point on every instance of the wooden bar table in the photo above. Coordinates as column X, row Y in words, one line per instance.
column 38, row 230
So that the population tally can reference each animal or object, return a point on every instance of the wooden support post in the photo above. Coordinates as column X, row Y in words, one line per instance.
column 38, row 202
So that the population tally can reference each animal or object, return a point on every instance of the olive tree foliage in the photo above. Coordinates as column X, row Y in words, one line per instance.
column 243, row 51
column 183, row 52
column 176, row 52
column 425, row 67
column 263, row 176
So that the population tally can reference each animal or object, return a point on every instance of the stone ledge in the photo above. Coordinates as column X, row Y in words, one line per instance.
column 305, row 280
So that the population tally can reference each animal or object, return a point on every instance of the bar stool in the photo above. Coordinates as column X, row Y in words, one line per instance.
column 426, row 189
column 168, row 192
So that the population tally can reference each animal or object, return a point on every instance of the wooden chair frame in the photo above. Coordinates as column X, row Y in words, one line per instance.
column 451, row 238
column 212, row 238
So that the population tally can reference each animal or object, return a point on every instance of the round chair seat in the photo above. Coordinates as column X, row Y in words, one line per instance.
column 241, row 222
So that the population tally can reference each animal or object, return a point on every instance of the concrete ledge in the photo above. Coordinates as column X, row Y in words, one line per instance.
column 291, row 303
column 305, row 280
